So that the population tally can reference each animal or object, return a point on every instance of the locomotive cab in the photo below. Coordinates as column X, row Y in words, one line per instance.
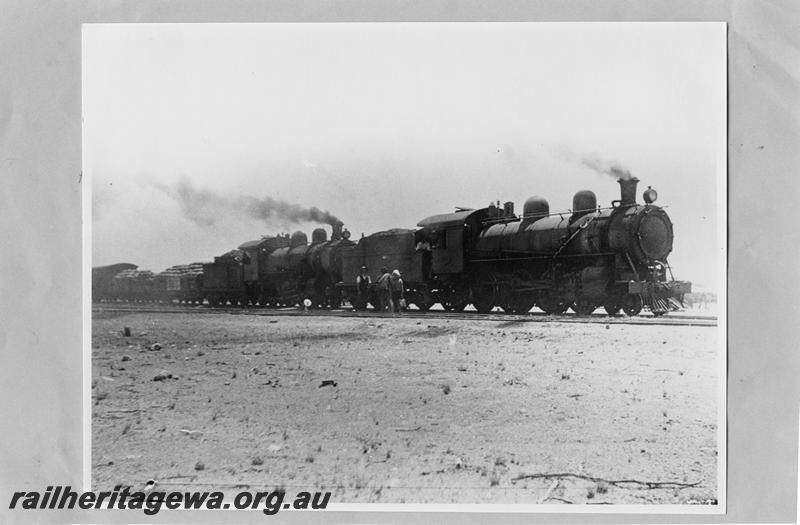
column 451, row 235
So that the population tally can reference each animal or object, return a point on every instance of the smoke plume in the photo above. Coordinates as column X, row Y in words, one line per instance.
column 606, row 167
column 206, row 207
column 593, row 162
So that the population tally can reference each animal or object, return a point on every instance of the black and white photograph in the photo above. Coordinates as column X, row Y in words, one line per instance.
column 425, row 266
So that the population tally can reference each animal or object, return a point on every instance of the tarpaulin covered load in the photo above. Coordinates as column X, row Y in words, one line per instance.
column 181, row 277
column 133, row 283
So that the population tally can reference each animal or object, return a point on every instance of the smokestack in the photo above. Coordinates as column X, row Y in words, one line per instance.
column 336, row 231
column 627, row 189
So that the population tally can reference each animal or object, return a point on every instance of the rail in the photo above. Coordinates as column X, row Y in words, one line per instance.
column 498, row 316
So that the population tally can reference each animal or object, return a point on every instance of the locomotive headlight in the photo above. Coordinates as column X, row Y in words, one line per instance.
column 650, row 195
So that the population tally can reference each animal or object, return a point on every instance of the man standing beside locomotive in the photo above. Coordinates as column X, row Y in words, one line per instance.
column 362, row 285
column 385, row 291
column 398, row 292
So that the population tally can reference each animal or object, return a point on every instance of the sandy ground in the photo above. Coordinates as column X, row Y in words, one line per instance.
column 423, row 411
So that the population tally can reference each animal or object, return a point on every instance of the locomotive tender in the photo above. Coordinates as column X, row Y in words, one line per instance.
column 615, row 257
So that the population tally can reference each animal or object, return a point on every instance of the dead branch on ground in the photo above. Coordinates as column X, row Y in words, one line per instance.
column 615, row 482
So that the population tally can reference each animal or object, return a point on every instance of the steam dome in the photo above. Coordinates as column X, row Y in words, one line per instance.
column 298, row 238
column 319, row 235
column 535, row 208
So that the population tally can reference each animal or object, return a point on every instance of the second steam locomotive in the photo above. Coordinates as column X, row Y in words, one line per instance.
column 584, row 258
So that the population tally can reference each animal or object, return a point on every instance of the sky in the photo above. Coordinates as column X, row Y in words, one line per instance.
column 188, row 128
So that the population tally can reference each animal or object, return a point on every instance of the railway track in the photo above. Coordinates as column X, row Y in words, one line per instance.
column 498, row 316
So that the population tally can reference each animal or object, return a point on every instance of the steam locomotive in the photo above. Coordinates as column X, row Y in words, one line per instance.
column 590, row 256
